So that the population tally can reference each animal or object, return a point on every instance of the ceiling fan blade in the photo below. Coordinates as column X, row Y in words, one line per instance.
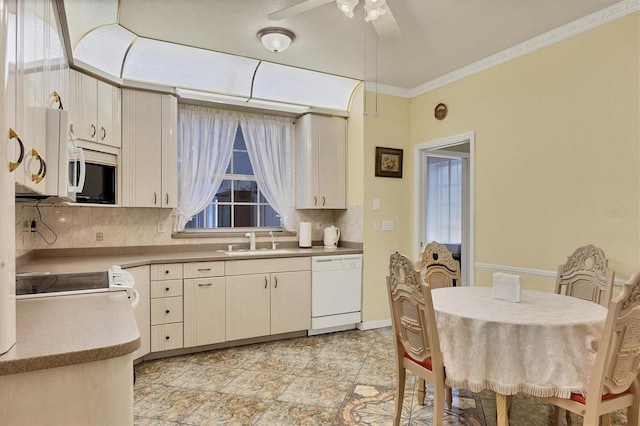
column 386, row 26
column 296, row 9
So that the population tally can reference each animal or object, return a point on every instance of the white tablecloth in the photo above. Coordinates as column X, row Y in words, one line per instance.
column 545, row 345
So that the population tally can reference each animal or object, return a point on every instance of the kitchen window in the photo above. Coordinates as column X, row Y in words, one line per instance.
column 235, row 171
column 238, row 202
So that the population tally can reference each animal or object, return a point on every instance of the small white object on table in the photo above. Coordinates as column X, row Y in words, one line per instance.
column 545, row 345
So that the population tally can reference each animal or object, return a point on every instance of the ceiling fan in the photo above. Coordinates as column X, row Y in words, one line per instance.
column 377, row 12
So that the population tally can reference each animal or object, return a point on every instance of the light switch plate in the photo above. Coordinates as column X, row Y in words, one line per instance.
column 376, row 204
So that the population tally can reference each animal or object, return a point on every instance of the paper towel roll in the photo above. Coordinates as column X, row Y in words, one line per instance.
column 304, row 236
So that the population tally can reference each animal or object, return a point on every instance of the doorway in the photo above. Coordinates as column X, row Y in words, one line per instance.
column 443, row 190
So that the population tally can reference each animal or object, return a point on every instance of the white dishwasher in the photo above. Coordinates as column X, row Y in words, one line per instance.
column 336, row 292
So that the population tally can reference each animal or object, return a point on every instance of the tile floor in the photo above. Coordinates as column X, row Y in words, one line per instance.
column 344, row 378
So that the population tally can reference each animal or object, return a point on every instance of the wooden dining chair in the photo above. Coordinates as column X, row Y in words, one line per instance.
column 586, row 275
column 438, row 265
column 415, row 335
column 613, row 384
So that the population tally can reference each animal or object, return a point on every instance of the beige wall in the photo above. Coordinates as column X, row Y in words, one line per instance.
column 389, row 129
column 556, row 151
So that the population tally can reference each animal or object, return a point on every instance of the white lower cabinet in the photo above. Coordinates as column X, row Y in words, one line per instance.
column 267, row 296
column 204, row 303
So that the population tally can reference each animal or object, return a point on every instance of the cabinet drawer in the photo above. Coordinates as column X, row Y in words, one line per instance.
column 166, row 288
column 166, row 337
column 166, row 310
column 166, row 271
column 203, row 269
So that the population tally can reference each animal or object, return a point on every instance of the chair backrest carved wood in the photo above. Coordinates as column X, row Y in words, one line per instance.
column 586, row 275
column 618, row 361
column 439, row 267
column 412, row 313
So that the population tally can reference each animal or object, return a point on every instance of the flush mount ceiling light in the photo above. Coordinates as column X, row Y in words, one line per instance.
column 373, row 8
column 276, row 39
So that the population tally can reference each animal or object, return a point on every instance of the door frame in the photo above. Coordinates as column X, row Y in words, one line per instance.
column 418, row 150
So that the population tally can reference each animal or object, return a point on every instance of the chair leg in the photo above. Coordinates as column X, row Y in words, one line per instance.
column 449, row 394
column 421, row 390
column 606, row 420
column 559, row 414
column 400, row 383
column 438, row 404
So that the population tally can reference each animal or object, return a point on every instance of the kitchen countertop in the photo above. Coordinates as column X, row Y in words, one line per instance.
column 66, row 330
column 93, row 261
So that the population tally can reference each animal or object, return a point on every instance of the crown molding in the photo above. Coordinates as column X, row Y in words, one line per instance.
column 578, row 26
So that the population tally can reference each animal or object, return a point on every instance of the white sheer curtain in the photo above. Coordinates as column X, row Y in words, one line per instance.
column 444, row 199
column 205, row 144
column 270, row 147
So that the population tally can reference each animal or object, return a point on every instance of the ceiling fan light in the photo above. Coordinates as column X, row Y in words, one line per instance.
column 347, row 6
column 276, row 39
column 374, row 9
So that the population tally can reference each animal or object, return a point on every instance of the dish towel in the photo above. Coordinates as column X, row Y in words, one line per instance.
column 506, row 287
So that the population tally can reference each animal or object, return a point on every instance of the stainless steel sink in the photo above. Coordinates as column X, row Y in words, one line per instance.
column 261, row 252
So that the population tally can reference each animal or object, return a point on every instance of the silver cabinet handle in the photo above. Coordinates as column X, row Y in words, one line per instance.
column 205, row 285
column 103, row 132
column 276, row 280
column 155, row 198
column 93, row 130
column 167, row 199
column 323, row 201
column 315, row 200
column 265, row 282
column 203, row 269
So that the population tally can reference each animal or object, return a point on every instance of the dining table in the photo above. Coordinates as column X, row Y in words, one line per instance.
column 545, row 345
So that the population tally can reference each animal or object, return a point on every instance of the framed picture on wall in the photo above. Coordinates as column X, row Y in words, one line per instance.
column 388, row 162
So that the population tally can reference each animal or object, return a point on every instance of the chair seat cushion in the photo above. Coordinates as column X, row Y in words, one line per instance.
column 426, row 363
column 582, row 400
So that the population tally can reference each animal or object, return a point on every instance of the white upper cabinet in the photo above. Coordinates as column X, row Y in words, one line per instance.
column 149, row 149
column 321, row 151
column 38, row 62
column 95, row 110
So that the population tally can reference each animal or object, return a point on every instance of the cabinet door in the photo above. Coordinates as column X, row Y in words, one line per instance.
column 143, row 310
column 169, row 124
column 332, row 155
column 290, row 301
column 306, row 162
column 247, row 306
column 109, row 115
column 141, row 149
column 84, row 92
column 204, row 311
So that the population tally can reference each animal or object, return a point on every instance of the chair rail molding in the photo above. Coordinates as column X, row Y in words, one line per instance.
column 529, row 271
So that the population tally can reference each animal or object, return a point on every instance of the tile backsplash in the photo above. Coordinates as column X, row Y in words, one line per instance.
column 66, row 226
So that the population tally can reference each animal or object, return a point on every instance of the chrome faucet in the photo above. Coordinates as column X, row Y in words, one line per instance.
column 252, row 239
column 274, row 245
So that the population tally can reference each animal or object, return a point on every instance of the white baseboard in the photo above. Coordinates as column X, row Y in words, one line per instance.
column 372, row 325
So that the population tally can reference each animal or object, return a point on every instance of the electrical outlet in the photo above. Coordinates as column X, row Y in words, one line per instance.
column 160, row 227
column 376, row 226
column 99, row 236
column 319, row 225
column 387, row 225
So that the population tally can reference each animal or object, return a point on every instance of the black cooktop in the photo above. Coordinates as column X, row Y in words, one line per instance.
column 41, row 283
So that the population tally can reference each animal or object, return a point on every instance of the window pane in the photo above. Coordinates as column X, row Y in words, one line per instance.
column 224, row 216
column 238, row 143
column 224, row 192
column 241, row 163
column 269, row 217
column 245, row 191
column 245, row 216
